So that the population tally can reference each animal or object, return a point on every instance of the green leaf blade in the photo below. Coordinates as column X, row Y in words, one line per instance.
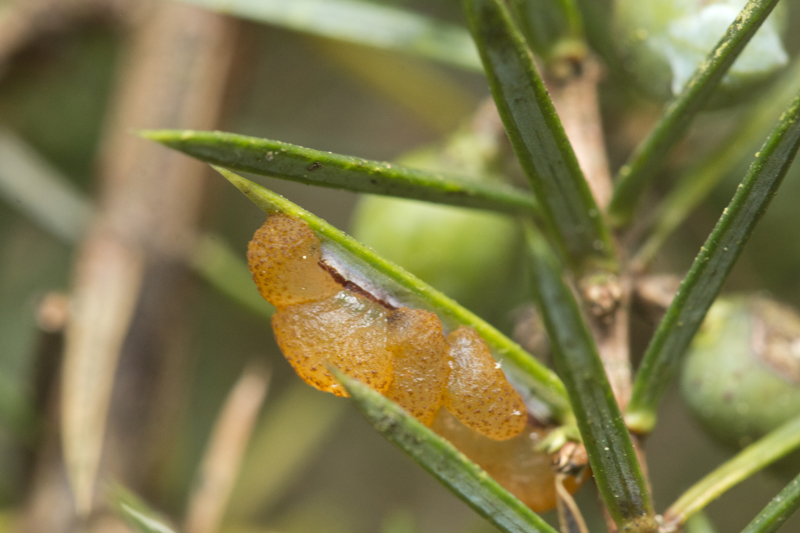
column 136, row 513
column 778, row 510
column 710, row 269
column 551, row 27
column 612, row 457
column 695, row 185
column 313, row 167
column 699, row 523
column 762, row 453
column 644, row 163
column 407, row 289
column 538, row 137
column 29, row 183
column 361, row 23
column 441, row 459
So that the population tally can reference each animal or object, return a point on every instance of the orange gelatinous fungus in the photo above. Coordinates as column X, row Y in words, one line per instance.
column 514, row 463
column 347, row 331
column 284, row 257
column 420, row 362
column 319, row 323
column 403, row 354
column 478, row 393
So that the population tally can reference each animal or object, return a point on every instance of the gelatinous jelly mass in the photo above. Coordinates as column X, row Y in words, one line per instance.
column 478, row 393
column 400, row 352
column 284, row 259
column 514, row 463
column 347, row 331
column 420, row 362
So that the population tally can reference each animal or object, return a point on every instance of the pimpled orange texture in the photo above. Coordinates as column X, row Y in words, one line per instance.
column 420, row 362
column 478, row 393
column 347, row 331
column 514, row 463
column 318, row 323
column 284, row 259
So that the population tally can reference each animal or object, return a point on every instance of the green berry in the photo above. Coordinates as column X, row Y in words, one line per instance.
column 663, row 41
column 465, row 253
column 461, row 252
column 741, row 378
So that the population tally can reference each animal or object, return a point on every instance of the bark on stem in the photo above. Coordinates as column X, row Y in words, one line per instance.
column 175, row 76
column 25, row 22
column 607, row 295
column 574, row 95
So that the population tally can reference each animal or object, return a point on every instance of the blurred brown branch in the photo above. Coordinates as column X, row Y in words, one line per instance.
column 26, row 22
column 222, row 461
column 131, row 289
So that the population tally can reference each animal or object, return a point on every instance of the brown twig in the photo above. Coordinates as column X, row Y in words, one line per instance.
column 569, row 514
column 574, row 93
column 26, row 22
column 653, row 294
column 222, row 460
column 106, row 290
column 174, row 77
column 48, row 497
column 48, row 506
column 607, row 295
column 49, row 502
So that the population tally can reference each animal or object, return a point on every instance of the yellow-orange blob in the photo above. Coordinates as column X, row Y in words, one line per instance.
column 347, row 331
column 403, row 354
column 514, row 463
column 318, row 323
column 284, row 259
column 420, row 362
column 478, row 393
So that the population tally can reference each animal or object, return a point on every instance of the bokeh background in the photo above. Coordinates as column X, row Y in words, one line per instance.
column 313, row 463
